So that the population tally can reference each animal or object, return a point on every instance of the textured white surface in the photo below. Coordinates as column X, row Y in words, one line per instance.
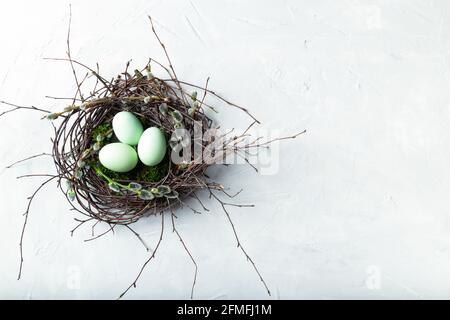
column 360, row 206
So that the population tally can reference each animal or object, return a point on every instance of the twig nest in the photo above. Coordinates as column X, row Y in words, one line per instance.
column 115, row 150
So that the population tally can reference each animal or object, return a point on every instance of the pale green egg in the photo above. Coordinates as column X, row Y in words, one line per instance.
column 118, row 157
column 152, row 146
column 127, row 128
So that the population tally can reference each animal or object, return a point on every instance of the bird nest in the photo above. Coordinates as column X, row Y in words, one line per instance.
column 179, row 110
column 123, row 198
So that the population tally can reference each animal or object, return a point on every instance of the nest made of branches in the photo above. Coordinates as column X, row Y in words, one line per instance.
column 75, row 149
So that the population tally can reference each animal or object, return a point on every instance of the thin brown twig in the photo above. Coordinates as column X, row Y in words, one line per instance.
column 26, row 159
column 223, row 204
column 152, row 256
column 70, row 59
column 17, row 107
column 36, row 175
column 139, row 237
column 277, row 139
column 189, row 253
column 26, row 214
column 174, row 75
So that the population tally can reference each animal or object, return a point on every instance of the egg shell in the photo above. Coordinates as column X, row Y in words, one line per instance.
column 127, row 127
column 118, row 157
column 152, row 146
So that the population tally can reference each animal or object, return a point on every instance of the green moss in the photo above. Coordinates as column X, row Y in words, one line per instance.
column 141, row 173
column 117, row 176
column 101, row 129
column 153, row 173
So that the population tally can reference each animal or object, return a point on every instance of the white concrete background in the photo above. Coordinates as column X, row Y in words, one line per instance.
column 360, row 206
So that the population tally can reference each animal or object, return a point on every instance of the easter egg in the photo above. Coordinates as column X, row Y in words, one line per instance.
column 127, row 128
column 152, row 146
column 118, row 157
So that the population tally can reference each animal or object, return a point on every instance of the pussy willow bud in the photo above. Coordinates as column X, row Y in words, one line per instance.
column 78, row 174
column 71, row 194
column 114, row 186
column 52, row 116
column 134, row 186
column 145, row 195
column 177, row 116
column 81, row 164
column 191, row 111
column 163, row 108
column 96, row 146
